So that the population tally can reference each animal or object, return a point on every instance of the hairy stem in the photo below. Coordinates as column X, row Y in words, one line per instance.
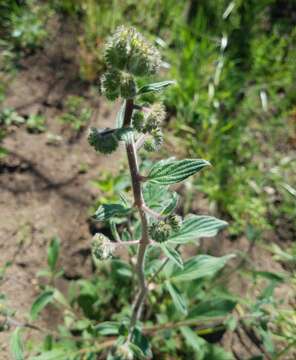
column 139, row 203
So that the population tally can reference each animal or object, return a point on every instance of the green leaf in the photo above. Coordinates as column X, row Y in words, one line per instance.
column 212, row 308
column 175, row 171
column 177, row 298
column 53, row 253
column 55, row 354
column 143, row 343
column 108, row 328
column 172, row 204
column 155, row 86
column 42, row 300
column 120, row 116
column 124, row 134
column 16, row 345
column 137, row 351
column 193, row 340
column 197, row 226
column 200, row 266
column 107, row 211
column 172, row 254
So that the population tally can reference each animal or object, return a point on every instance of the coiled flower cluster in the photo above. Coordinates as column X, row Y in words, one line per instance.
column 160, row 231
column 127, row 54
column 149, row 122
column 102, row 248
column 104, row 141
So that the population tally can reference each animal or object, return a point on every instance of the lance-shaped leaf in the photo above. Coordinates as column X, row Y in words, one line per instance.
column 195, row 227
column 16, row 345
column 172, row 254
column 174, row 171
column 39, row 304
column 155, row 87
column 177, row 298
column 200, row 266
column 106, row 211
column 171, row 205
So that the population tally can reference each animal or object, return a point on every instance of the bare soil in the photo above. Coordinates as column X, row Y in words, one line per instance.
column 44, row 191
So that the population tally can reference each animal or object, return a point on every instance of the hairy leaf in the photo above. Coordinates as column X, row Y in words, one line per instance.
column 107, row 211
column 53, row 253
column 175, row 171
column 200, row 266
column 42, row 300
column 177, row 298
column 172, row 254
column 193, row 340
column 197, row 226
column 212, row 308
column 55, row 354
column 108, row 328
column 155, row 86
column 16, row 345
column 171, row 205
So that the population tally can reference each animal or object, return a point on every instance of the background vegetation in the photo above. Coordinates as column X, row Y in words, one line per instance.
column 235, row 105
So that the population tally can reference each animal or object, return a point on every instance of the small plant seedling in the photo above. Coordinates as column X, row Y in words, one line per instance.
column 36, row 123
column 76, row 114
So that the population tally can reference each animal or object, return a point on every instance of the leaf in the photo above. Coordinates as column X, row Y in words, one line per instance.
column 138, row 353
column 55, row 354
column 143, row 343
column 277, row 277
column 120, row 116
column 172, row 205
column 173, row 255
column 124, row 134
column 175, row 171
column 200, row 266
column 193, row 340
column 42, row 300
column 16, row 345
column 107, row 211
column 177, row 298
column 155, row 86
column 158, row 197
column 108, row 328
column 53, row 253
column 212, row 308
column 197, row 226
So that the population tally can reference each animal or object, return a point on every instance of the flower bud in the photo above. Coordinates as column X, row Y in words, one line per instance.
column 155, row 117
column 110, row 84
column 160, row 231
column 128, row 88
column 117, row 52
column 138, row 120
column 101, row 247
column 104, row 141
column 175, row 221
column 155, row 141
column 128, row 50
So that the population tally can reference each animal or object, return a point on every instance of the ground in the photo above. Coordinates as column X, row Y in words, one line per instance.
column 46, row 192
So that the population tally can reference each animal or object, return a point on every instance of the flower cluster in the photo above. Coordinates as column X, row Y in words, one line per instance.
column 127, row 54
column 149, row 122
column 160, row 231
column 104, row 141
column 102, row 248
